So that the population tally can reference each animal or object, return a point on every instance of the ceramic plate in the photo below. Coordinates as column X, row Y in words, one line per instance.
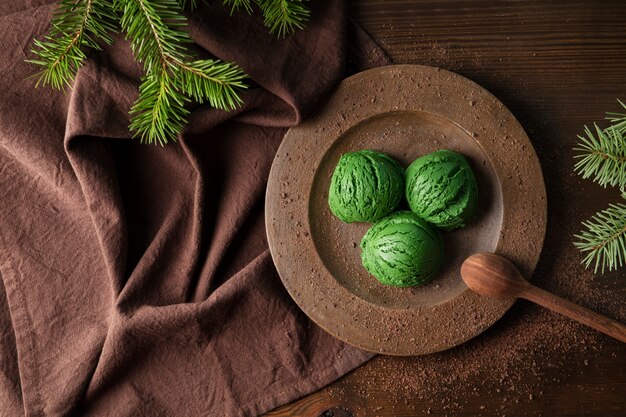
column 405, row 111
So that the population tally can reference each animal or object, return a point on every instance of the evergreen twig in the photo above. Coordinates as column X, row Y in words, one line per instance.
column 154, row 29
column 157, row 33
column 213, row 81
column 235, row 5
column 604, row 240
column 284, row 16
column 601, row 155
column 159, row 113
column 187, row 4
column 75, row 24
column 618, row 120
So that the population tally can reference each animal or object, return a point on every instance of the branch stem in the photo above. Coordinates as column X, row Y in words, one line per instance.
column 610, row 239
column 605, row 155
column 77, row 36
column 199, row 73
column 155, row 34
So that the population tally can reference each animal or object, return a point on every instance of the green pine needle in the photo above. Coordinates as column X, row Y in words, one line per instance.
column 187, row 3
column 214, row 81
column 235, row 5
column 75, row 24
column 284, row 16
column 157, row 30
column 154, row 30
column 604, row 240
column 618, row 120
column 159, row 113
column 602, row 156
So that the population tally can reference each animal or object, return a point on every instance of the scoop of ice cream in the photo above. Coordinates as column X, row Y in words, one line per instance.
column 365, row 186
column 402, row 250
column 441, row 189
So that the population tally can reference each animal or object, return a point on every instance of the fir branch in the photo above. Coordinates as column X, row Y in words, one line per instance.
column 235, row 5
column 157, row 33
column 153, row 27
column 284, row 16
column 159, row 113
column 602, row 156
column 213, row 81
column 618, row 120
column 187, row 3
column 75, row 24
column 604, row 240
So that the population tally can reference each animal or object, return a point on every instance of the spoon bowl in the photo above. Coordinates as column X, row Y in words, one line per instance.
column 492, row 275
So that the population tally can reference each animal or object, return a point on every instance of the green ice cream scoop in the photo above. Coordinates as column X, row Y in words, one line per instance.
column 441, row 189
column 402, row 250
column 365, row 186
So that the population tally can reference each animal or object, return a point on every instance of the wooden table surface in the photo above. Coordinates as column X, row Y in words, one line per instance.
column 557, row 65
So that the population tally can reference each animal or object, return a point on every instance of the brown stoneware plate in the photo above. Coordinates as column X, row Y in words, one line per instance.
column 405, row 111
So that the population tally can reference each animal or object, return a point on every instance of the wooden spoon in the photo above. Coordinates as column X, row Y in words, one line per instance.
column 494, row 276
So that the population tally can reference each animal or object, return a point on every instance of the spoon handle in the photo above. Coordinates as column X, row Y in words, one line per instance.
column 577, row 312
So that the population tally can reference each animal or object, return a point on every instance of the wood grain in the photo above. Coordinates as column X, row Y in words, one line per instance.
column 492, row 275
column 576, row 312
column 556, row 65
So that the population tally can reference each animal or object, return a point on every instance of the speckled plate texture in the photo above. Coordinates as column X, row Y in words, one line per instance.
column 405, row 111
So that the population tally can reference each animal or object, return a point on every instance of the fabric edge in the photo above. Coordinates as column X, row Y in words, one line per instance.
column 315, row 382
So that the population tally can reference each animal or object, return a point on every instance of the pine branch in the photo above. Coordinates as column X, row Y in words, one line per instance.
column 157, row 33
column 154, row 29
column 602, row 156
column 604, row 240
column 618, row 120
column 284, row 16
column 213, row 81
column 159, row 113
column 75, row 24
column 235, row 5
column 187, row 3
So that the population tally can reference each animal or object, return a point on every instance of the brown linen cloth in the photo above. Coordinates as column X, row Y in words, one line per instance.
column 136, row 280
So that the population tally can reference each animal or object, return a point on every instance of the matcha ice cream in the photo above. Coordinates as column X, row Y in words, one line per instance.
column 441, row 189
column 365, row 186
column 402, row 250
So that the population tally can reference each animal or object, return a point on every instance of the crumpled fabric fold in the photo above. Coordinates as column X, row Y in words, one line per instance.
column 136, row 279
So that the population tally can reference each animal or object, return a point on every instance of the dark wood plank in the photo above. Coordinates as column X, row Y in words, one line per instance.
column 591, row 390
column 556, row 65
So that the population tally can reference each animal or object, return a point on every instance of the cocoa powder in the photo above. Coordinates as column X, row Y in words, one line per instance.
column 526, row 353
